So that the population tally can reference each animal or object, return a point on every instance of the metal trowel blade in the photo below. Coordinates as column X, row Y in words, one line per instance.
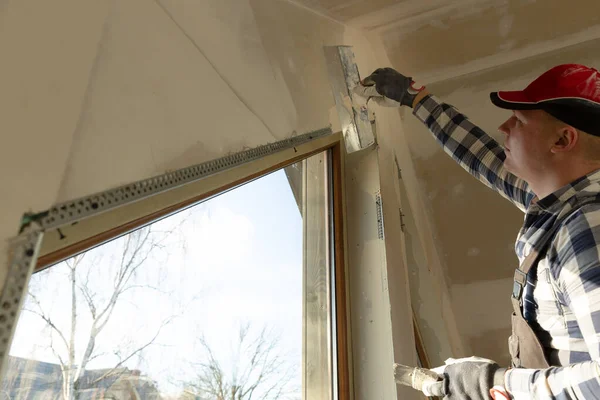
column 413, row 377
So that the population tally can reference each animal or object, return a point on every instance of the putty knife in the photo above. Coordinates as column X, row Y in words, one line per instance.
column 352, row 109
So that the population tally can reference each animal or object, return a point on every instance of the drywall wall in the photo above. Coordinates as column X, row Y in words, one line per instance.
column 426, row 297
column 415, row 249
column 43, row 79
column 476, row 228
column 376, row 341
column 97, row 94
column 425, row 274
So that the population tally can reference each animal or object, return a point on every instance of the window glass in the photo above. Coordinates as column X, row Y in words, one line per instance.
column 215, row 302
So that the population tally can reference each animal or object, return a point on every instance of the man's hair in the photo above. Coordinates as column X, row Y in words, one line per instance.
column 590, row 144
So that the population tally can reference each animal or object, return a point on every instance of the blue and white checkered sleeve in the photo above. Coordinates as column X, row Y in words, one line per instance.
column 475, row 151
column 575, row 266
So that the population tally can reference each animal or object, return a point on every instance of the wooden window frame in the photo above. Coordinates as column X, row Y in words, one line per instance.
column 66, row 241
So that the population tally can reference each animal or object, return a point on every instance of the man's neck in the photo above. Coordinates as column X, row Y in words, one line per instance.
column 550, row 183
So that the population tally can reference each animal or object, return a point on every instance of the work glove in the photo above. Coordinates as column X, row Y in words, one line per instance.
column 471, row 378
column 388, row 87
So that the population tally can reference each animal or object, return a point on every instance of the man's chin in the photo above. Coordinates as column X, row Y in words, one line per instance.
column 514, row 171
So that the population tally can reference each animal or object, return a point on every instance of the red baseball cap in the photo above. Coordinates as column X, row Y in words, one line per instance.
column 569, row 92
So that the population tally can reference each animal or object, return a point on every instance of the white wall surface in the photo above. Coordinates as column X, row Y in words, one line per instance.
column 95, row 94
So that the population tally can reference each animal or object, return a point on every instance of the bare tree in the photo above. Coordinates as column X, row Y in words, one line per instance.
column 99, row 303
column 259, row 370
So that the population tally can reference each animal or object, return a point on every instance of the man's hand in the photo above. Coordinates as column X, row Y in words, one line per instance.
column 471, row 378
column 389, row 88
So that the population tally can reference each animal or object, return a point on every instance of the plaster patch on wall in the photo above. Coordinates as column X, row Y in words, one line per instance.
column 479, row 315
column 521, row 53
column 473, row 252
column 507, row 45
column 334, row 119
column 492, row 344
column 432, row 194
column 437, row 23
column 397, row 19
column 505, row 24
column 291, row 64
column 458, row 190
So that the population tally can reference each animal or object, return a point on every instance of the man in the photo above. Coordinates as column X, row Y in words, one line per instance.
column 550, row 169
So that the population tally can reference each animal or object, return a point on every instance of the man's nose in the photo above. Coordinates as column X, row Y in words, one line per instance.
column 505, row 127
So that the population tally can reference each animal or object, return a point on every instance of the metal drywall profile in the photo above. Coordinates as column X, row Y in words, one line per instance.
column 67, row 240
column 352, row 109
column 75, row 210
column 23, row 252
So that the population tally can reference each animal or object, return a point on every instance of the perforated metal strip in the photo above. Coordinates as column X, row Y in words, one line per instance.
column 76, row 210
column 24, row 251
column 379, row 207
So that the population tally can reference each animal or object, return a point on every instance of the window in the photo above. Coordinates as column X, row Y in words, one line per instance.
column 232, row 298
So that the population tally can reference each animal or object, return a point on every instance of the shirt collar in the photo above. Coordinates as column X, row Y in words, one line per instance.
column 554, row 201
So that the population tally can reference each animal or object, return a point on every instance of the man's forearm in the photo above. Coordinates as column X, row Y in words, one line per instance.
column 470, row 147
column 466, row 143
column 575, row 381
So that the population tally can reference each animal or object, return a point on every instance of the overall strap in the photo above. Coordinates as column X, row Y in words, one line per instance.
column 520, row 278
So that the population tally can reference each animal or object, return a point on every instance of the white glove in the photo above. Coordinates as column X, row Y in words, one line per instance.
column 450, row 361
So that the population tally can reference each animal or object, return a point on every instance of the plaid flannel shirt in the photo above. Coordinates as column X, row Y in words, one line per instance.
column 563, row 301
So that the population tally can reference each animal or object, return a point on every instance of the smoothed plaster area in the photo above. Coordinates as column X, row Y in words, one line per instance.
column 374, row 349
column 492, row 344
column 437, row 39
column 162, row 84
column 499, row 29
column 40, row 97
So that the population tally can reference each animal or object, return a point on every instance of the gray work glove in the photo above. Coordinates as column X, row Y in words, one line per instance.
column 464, row 378
column 472, row 380
column 391, row 84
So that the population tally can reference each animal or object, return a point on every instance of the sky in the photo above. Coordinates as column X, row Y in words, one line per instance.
column 234, row 259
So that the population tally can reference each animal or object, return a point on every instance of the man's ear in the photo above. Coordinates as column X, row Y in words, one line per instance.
column 566, row 139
